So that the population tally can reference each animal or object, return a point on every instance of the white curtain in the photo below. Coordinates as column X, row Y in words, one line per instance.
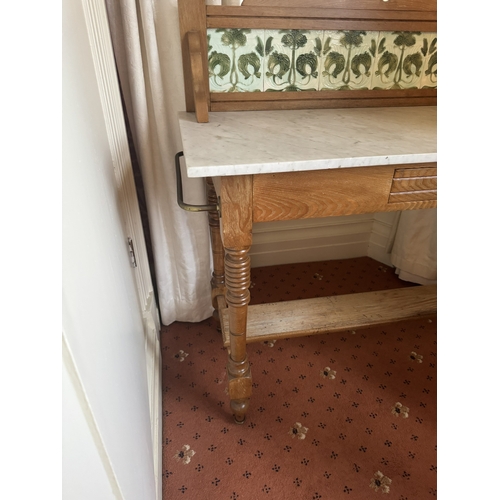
column 414, row 250
column 146, row 41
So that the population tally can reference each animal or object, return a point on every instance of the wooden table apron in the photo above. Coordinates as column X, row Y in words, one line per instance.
column 245, row 199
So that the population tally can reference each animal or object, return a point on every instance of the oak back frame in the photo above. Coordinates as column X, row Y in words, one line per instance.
column 393, row 15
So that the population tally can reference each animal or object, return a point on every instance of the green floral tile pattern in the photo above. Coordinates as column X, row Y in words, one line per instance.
column 235, row 60
column 399, row 61
column 429, row 68
column 292, row 60
column 347, row 62
column 249, row 60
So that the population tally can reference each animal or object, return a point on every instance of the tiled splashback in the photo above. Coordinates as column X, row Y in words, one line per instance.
column 253, row 60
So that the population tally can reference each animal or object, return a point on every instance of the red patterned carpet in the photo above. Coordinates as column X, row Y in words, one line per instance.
column 349, row 415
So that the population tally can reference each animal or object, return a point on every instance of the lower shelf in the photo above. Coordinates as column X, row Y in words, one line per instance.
column 299, row 318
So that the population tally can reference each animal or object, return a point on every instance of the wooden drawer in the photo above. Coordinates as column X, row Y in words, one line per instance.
column 343, row 191
column 321, row 193
column 414, row 184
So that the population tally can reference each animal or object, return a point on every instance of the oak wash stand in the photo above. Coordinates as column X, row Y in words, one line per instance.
column 282, row 155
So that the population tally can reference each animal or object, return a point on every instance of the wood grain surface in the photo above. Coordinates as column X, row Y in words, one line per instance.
column 192, row 17
column 200, row 93
column 334, row 314
column 322, row 193
column 236, row 210
column 420, row 5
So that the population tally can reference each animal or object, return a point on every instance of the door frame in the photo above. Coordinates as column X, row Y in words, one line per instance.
column 107, row 80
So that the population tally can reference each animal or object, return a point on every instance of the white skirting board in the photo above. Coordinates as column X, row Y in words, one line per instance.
column 330, row 238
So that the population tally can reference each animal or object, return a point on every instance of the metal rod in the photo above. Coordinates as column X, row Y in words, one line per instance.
column 180, row 201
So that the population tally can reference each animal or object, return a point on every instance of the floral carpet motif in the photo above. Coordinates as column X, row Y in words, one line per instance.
column 347, row 415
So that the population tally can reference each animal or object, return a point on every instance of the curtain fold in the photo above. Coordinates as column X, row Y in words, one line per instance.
column 414, row 251
column 146, row 41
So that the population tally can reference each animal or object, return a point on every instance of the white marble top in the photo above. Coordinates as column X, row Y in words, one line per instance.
column 257, row 142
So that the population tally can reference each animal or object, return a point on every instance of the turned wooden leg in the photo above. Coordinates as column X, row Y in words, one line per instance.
column 237, row 267
column 217, row 281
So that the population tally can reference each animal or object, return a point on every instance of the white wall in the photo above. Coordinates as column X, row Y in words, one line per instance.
column 106, row 421
column 84, row 474
column 328, row 238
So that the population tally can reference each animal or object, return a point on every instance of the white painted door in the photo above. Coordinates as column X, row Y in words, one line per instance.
column 110, row 319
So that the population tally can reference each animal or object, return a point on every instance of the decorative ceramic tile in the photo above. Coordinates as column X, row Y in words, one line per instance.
column 347, row 59
column 292, row 60
column 235, row 60
column 249, row 60
column 399, row 61
column 429, row 68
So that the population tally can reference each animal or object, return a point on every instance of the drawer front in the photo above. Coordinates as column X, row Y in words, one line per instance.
column 343, row 191
column 414, row 184
column 321, row 193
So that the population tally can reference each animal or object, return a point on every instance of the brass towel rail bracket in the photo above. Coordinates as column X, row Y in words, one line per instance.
column 180, row 200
